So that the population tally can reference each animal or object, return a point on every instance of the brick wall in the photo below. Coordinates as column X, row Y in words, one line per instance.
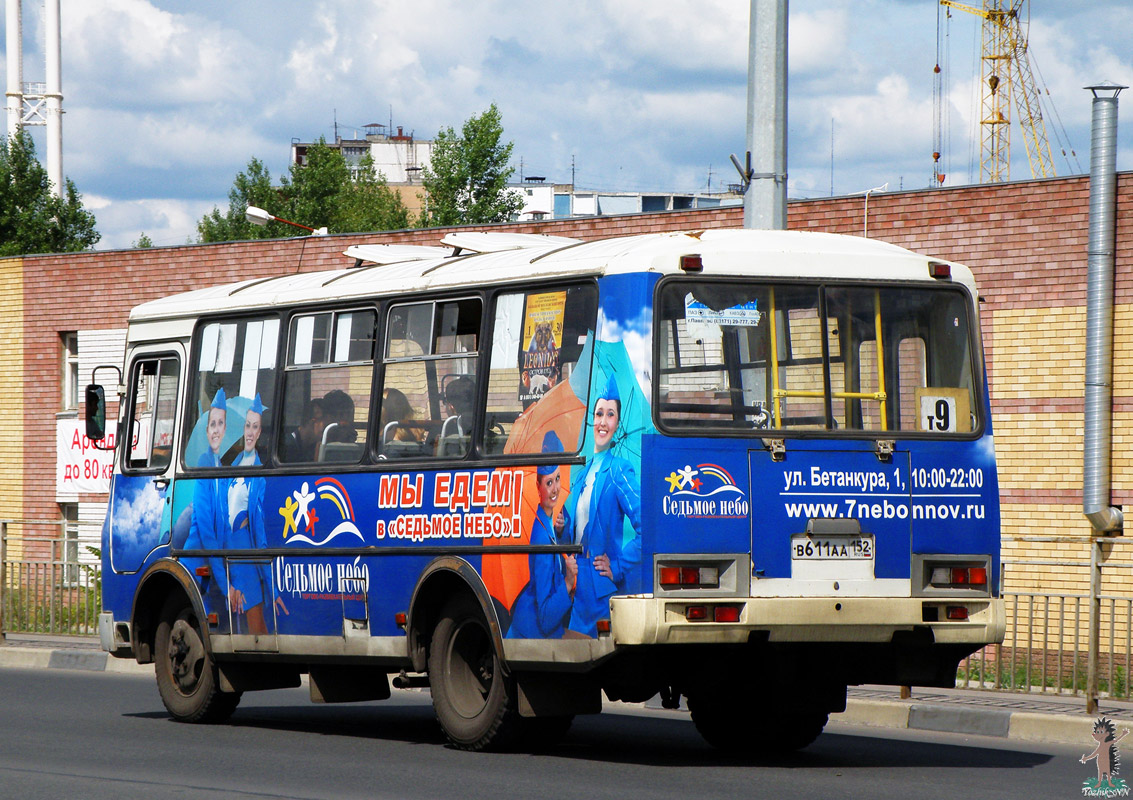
column 1026, row 243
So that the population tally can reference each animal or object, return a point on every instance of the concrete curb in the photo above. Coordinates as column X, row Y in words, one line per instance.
column 16, row 657
column 958, row 718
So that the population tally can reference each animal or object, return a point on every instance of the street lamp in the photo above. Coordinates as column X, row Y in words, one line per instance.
column 257, row 216
column 865, row 216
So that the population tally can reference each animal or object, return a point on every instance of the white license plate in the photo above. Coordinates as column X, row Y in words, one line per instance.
column 831, row 548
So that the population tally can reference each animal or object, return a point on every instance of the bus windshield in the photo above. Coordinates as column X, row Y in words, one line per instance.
column 792, row 356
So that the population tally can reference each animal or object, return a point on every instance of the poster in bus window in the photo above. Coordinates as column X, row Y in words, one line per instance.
column 539, row 347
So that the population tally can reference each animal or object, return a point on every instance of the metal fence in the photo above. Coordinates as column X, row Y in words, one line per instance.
column 1048, row 644
column 44, row 587
column 1046, row 648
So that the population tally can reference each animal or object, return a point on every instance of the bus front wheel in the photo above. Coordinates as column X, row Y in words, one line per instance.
column 474, row 700
column 186, row 675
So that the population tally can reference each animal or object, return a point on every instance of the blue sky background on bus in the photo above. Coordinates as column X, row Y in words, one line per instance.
column 166, row 101
column 137, row 510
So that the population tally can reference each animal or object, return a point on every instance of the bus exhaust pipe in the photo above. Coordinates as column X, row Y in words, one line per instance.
column 1097, row 464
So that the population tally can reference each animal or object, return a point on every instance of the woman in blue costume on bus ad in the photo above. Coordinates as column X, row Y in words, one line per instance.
column 543, row 608
column 246, row 529
column 607, row 493
column 221, row 503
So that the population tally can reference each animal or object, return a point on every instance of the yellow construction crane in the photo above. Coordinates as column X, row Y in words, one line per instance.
column 1005, row 75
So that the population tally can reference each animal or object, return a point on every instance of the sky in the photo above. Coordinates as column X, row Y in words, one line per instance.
column 165, row 102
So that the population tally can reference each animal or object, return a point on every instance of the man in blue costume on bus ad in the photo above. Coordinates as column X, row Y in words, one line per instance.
column 607, row 493
column 542, row 609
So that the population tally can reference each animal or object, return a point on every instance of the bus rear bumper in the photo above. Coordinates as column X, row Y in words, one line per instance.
column 661, row 621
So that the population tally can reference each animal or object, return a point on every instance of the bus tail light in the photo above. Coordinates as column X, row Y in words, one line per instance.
column 689, row 577
column 956, row 612
column 696, row 613
column 969, row 574
column 959, row 576
column 603, row 625
column 203, row 572
column 726, row 613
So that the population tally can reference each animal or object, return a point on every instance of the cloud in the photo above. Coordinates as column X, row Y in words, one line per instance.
column 167, row 101
column 137, row 517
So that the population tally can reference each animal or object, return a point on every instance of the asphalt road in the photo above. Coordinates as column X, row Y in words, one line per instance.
column 71, row 734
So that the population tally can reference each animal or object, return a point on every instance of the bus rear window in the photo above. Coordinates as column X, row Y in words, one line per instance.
column 807, row 357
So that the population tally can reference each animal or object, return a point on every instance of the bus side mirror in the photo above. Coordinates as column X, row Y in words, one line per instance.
column 95, row 400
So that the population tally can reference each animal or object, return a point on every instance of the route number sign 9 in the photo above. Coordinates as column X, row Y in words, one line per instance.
column 941, row 410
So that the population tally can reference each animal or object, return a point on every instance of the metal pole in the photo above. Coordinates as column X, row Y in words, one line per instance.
column 3, row 574
column 15, row 57
column 765, row 202
column 54, row 98
column 1093, row 643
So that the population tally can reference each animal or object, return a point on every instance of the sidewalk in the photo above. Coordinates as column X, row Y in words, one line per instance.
column 1014, row 715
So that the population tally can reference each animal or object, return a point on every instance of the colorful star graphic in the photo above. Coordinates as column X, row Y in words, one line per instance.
column 687, row 474
column 288, row 514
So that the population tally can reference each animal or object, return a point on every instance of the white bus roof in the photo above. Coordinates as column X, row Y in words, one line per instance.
column 723, row 252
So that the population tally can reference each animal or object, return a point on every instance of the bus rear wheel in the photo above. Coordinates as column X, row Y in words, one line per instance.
column 746, row 725
column 186, row 675
column 474, row 700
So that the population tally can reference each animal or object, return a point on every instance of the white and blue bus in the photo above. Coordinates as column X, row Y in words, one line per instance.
column 745, row 468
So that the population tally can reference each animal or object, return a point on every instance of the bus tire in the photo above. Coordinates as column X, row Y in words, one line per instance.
column 474, row 700
column 741, row 725
column 186, row 675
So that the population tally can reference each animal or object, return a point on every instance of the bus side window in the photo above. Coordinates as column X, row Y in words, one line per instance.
column 430, row 383
column 153, row 403
column 537, row 339
column 233, row 374
column 327, row 380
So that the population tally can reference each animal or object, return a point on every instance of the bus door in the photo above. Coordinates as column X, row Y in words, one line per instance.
column 830, row 512
column 222, row 503
column 140, row 511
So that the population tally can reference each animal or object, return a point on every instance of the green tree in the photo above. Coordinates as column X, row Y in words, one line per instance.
column 313, row 188
column 32, row 219
column 320, row 193
column 466, row 180
column 252, row 187
column 367, row 203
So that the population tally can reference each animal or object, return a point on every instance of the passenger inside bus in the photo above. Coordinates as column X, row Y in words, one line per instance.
column 460, row 399
column 340, row 436
column 398, row 419
column 301, row 443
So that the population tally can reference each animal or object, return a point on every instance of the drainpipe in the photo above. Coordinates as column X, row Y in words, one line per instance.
column 1096, row 465
column 1099, row 312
